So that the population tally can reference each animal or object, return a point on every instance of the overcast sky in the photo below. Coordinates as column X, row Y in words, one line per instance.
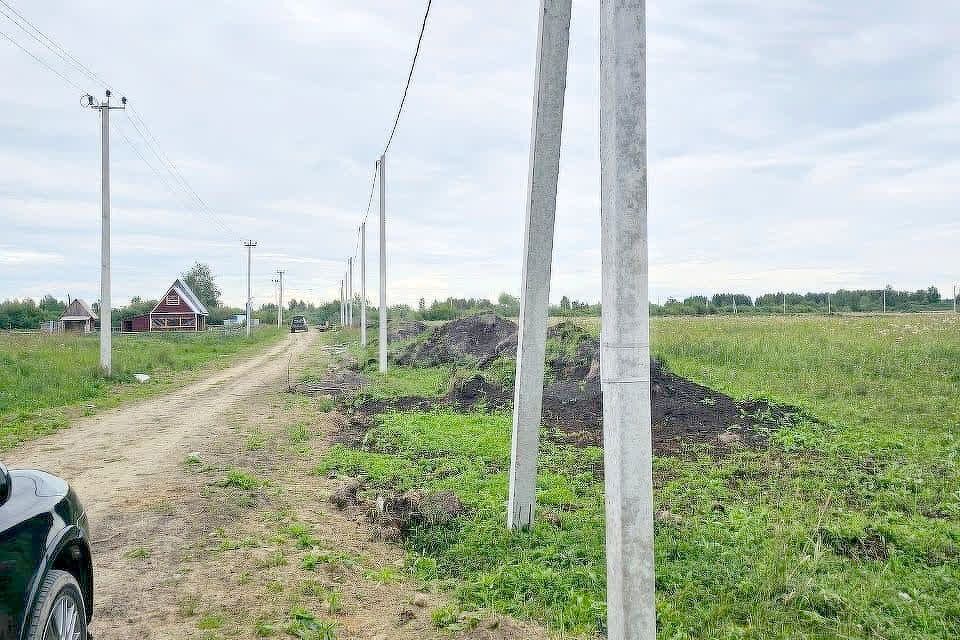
column 800, row 144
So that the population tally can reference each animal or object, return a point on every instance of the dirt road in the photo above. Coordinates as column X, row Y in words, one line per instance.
column 238, row 540
column 129, row 460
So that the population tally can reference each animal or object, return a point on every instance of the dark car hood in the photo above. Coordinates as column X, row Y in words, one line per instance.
column 45, row 485
column 33, row 492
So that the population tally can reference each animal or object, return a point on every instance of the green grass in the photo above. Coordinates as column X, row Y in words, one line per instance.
column 849, row 528
column 44, row 378
column 430, row 382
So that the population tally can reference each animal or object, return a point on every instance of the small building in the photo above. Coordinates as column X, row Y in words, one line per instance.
column 78, row 317
column 179, row 309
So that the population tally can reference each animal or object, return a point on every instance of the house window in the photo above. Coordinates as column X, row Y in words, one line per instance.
column 173, row 300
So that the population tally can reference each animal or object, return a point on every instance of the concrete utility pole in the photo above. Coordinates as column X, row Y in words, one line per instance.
column 784, row 303
column 954, row 298
column 884, row 300
column 541, row 205
column 382, row 329
column 625, row 321
column 280, row 306
column 350, row 290
column 734, row 304
column 106, row 316
column 342, row 307
column 828, row 304
column 249, row 244
column 363, row 284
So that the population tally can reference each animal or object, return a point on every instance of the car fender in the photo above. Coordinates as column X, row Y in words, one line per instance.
column 68, row 535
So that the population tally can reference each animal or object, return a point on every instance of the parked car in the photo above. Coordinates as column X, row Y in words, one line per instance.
column 299, row 323
column 46, row 573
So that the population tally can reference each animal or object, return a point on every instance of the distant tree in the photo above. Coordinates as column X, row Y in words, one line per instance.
column 565, row 303
column 200, row 279
column 421, row 305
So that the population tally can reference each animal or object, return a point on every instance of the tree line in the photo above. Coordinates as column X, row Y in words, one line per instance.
column 840, row 301
column 29, row 314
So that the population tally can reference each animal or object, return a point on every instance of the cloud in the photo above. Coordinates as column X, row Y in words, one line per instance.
column 799, row 144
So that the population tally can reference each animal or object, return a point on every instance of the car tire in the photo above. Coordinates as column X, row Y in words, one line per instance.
column 60, row 613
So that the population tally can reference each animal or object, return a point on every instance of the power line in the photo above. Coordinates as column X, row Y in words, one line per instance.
column 179, row 182
column 163, row 180
column 396, row 120
column 147, row 136
column 406, row 89
column 48, row 42
column 41, row 61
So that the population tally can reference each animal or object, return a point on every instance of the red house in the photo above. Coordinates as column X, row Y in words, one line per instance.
column 179, row 309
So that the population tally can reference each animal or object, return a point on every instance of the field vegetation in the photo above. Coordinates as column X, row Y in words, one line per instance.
column 845, row 524
column 44, row 379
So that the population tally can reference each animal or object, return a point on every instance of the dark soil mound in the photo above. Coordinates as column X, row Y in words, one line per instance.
column 403, row 331
column 683, row 412
column 477, row 390
column 479, row 339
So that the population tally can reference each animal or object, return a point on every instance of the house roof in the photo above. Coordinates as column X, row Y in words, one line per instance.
column 78, row 310
column 188, row 296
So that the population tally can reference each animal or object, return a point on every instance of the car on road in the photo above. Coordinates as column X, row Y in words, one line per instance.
column 46, row 572
column 299, row 323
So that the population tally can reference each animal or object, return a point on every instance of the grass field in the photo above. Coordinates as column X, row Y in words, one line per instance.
column 45, row 379
column 846, row 526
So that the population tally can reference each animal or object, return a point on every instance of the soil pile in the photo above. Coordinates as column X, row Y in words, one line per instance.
column 403, row 331
column 476, row 339
column 683, row 412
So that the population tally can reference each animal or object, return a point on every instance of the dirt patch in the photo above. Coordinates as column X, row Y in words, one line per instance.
column 336, row 382
column 870, row 545
column 476, row 339
column 392, row 515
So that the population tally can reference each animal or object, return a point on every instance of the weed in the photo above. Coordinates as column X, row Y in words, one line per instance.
column 299, row 433
column 138, row 553
column 264, row 629
column 334, row 601
column 305, row 625
column 211, row 621
column 255, row 440
column 275, row 559
column 240, row 479
column 444, row 617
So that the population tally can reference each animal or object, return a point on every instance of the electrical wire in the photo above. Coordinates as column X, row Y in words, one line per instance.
column 136, row 120
column 20, row 20
column 41, row 61
column 406, row 89
column 396, row 120
column 178, row 195
column 170, row 166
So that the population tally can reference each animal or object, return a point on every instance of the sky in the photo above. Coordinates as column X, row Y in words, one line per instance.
column 793, row 144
